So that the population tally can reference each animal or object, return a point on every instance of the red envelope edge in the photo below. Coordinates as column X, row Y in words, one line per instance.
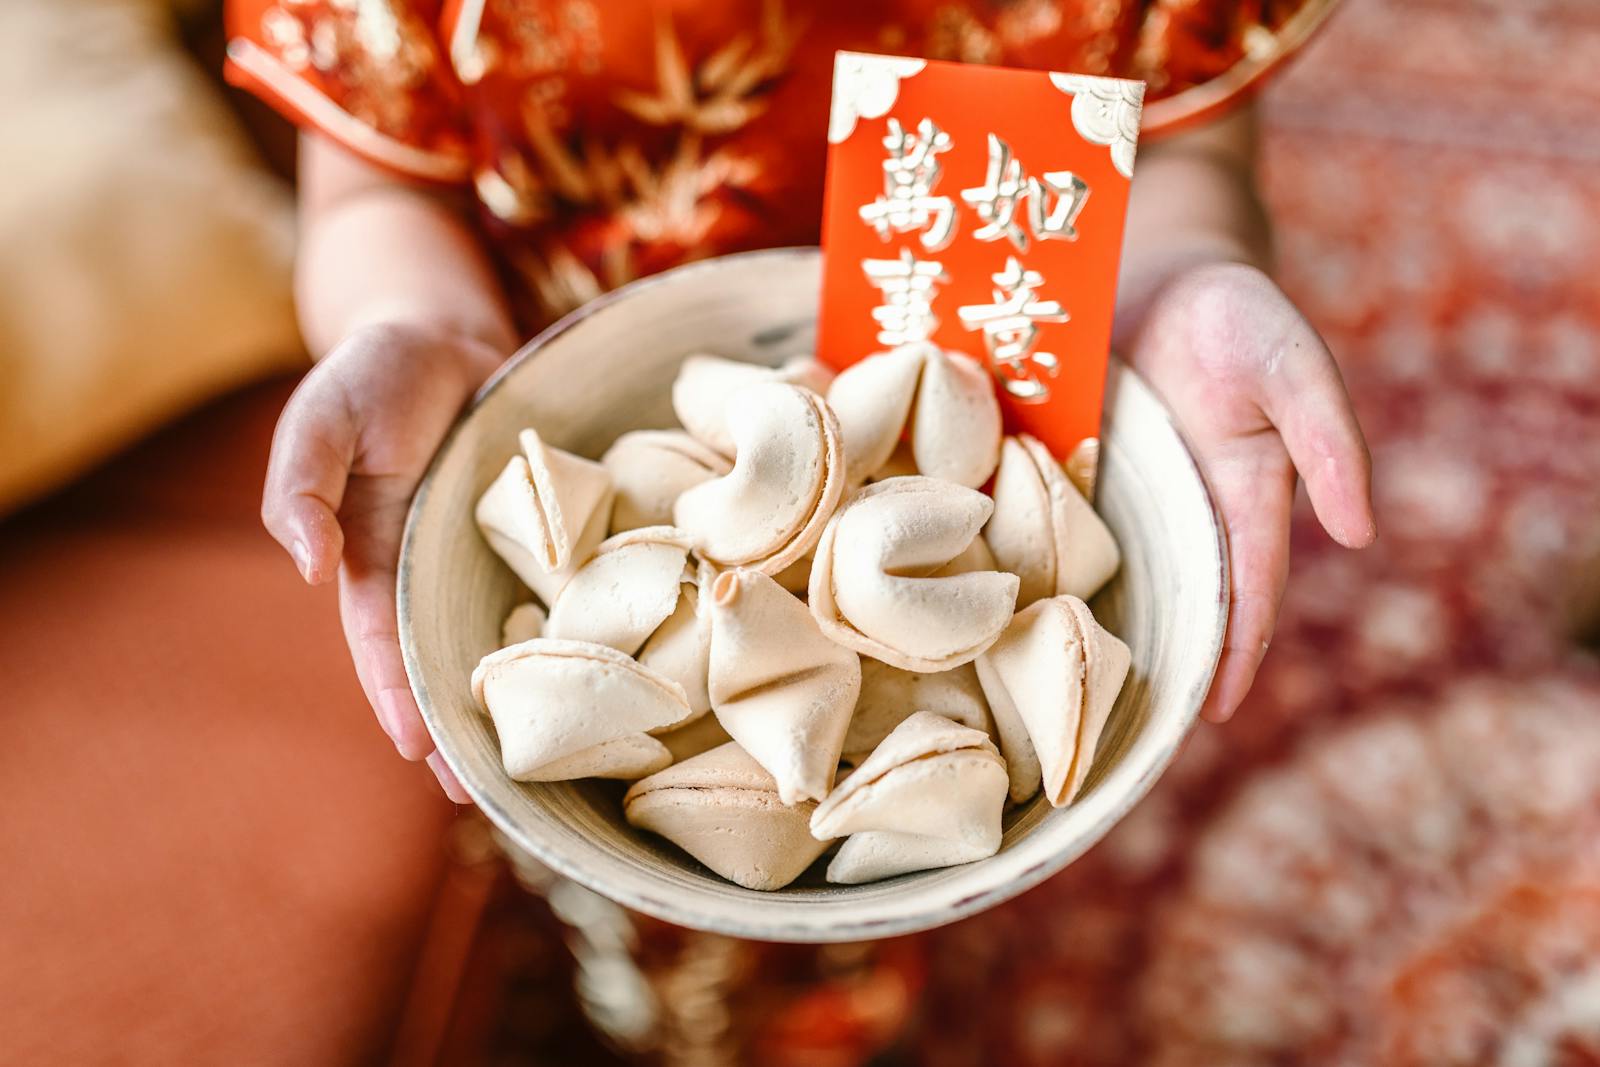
column 980, row 208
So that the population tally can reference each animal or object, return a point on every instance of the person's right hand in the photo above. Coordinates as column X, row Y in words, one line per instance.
column 350, row 447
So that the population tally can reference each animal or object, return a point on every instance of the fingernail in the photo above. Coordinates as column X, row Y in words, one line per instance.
column 447, row 779
column 301, row 553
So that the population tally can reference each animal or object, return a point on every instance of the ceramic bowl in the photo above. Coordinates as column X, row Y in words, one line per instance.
column 607, row 368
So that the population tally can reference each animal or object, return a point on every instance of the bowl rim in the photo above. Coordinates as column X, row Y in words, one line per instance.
column 837, row 929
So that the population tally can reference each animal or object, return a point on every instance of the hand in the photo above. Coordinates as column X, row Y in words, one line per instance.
column 350, row 447
column 1259, row 397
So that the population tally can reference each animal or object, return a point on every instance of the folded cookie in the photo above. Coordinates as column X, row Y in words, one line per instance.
column 626, row 590
column 880, row 583
column 1044, row 530
column 873, row 855
column 947, row 398
column 787, row 478
column 1051, row 681
column 680, row 648
column 778, row 686
column 545, row 513
column 930, row 781
column 975, row 557
column 723, row 809
column 650, row 469
column 704, row 384
column 890, row 696
column 572, row 709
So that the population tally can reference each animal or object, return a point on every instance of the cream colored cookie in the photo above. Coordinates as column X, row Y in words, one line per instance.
column 1051, row 681
column 1043, row 529
column 787, row 478
column 650, row 469
column 879, row 584
column 778, row 686
column 946, row 398
column 571, row 709
column 723, row 808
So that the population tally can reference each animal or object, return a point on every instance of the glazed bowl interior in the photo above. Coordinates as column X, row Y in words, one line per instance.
column 608, row 369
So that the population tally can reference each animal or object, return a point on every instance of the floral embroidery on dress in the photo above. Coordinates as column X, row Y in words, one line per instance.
column 722, row 93
column 666, row 201
column 605, row 141
column 370, row 56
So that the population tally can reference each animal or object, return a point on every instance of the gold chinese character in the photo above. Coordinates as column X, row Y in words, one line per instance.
column 909, row 176
column 906, row 315
column 995, row 201
column 1057, row 223
column 1054, row 201
column 1010, row 331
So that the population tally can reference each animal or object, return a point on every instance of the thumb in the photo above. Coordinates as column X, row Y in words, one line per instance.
column 312, row 450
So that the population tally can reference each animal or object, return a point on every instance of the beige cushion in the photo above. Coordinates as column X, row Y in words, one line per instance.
column 144, row 254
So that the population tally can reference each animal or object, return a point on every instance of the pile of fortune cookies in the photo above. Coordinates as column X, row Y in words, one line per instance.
column 799, row 618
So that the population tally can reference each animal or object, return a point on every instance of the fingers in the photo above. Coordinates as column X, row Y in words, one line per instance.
column 367, row 607
column 348, row 452
column 1260, row 396
column 1253, row 483
column 312, row 450
column 447, row 779
column 1305, row 397
column 366, row 603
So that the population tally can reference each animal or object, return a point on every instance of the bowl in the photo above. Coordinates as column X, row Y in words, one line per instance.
column 607, row 368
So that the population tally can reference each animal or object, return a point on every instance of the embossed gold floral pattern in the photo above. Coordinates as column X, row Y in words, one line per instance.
column 1105, row 111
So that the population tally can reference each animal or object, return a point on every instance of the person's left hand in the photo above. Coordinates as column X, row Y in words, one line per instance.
column 1259, row 397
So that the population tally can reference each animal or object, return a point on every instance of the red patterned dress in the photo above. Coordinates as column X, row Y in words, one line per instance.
column 606, row 141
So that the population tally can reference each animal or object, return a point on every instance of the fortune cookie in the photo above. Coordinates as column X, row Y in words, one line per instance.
column 874, row 855
column 975, row 557
column 948, row 398
column 650, row 469
column 930, row 795
column 876, row 584
column 545, row 514
column 778, row 686
column 524, row 623
column 627, row 589
column 1043, row 529
column 704, row 385
column 723, row 809
column 680, row 648
column 1051, row 681
column 889, row 696
column 787, row 478
column 572, row 709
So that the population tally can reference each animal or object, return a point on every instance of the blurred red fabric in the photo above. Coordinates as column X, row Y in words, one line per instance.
column 211, row 852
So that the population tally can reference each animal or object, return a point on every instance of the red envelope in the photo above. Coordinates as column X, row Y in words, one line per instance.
column 981, row 209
